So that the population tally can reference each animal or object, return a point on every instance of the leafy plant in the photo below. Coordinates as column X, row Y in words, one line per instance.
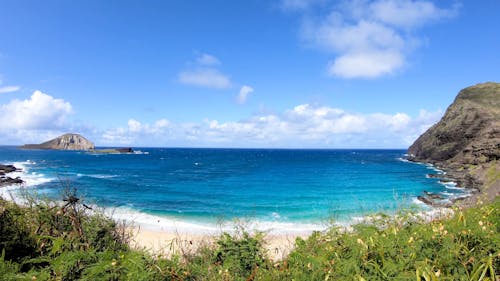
column 240, row 254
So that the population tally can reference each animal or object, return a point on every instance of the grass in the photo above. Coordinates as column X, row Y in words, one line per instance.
column 46, row 241
column 492, row 174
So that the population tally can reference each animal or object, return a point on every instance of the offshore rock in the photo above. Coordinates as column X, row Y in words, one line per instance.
column 5, row 169
column 4, row 180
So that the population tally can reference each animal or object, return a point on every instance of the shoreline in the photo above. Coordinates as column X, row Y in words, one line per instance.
column 442, row 174
column 168, row 243
column 157, row 223
column 463, row 179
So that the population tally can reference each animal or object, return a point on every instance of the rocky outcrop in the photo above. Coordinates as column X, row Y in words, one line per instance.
column 123, row 150
column 64, row 142
column 4, row 180
column 5, row 169
column 466, row 141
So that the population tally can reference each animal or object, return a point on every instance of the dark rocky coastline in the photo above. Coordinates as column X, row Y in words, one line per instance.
column 121, row 150
column 465, row 144
column 6, row 180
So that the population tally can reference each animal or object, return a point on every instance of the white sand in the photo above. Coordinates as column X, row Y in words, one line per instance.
column 166, row 244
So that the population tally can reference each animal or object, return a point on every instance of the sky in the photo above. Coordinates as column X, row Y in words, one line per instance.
column 250, row 73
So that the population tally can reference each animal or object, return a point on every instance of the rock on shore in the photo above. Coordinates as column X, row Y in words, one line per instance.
column 5, row 180
column 466, row 141
column 64, row 142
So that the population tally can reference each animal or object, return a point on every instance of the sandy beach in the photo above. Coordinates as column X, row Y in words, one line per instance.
column 168, row 243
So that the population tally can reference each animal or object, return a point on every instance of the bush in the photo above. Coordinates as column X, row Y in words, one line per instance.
column 239, row 254
column 16, row 242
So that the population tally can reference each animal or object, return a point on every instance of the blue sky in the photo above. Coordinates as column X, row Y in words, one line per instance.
column 289, row 73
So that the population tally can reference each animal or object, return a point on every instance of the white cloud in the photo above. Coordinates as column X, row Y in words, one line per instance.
column 206, row 59
column 371, row 38
column 42, row 117
column 205, row 74
column 137, row 132
column 366, row 64
column 161, row 124
column 157, row 127
column 304, row 125
column 39, row 118
column 244, row 92
column 40, row 111
column 9, row 89
column 421, row 123
column 117, row 136
column 29, row 136
column 205, row 77
column 134, row 126
column 409, row 14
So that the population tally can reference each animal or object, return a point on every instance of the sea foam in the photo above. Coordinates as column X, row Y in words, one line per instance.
column 182, row 225
column 30, row 179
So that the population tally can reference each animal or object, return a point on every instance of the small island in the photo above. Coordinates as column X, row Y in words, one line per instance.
column 64, row 142
column 72, row 141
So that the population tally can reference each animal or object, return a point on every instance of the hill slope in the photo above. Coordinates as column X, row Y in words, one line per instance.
column 466, row 141
column 64, row 142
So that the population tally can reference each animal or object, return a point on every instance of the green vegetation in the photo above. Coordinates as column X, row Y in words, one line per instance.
column 485, row 94
column 44, row 241
column 492, row 174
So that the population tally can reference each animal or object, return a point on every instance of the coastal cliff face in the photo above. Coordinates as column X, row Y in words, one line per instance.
column 64, row 142
column 466, row 141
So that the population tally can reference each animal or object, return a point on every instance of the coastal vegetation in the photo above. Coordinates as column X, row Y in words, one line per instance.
column 43, row 240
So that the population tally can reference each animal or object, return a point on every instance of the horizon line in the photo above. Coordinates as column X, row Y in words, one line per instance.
column 242, row 148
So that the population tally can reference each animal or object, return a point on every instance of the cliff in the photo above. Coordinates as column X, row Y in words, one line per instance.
column 64, row 142
column 466, row 141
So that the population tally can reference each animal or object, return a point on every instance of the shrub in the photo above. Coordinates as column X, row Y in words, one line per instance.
column 15, row 239
column 239, row 254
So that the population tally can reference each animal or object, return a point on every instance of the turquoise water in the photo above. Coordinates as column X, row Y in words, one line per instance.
column 296, row 188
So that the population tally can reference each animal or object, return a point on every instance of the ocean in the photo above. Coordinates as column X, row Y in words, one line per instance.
column 201, row 190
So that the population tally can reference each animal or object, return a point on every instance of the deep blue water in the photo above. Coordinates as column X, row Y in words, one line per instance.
column 207, row 185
